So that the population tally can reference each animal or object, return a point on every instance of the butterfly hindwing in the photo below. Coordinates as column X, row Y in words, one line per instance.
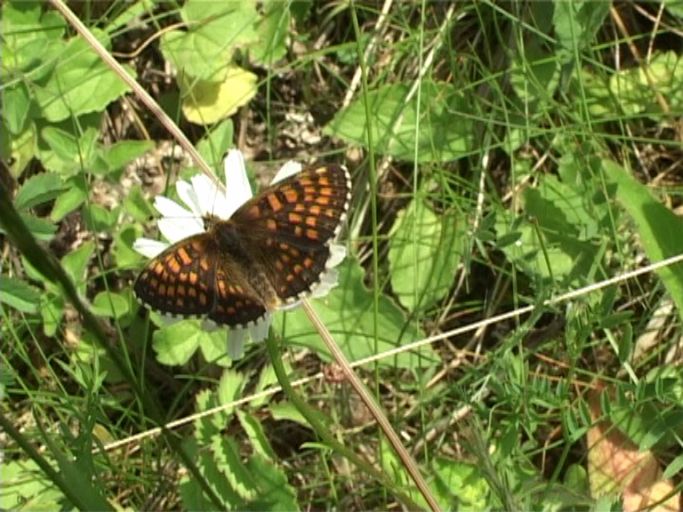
column 180, row 280
column 234, row 305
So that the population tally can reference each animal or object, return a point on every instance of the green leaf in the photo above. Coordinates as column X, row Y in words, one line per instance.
column 424, row 253
column 229, row 461
column 659, row 228
column 68, row 153
column 207, row 102
column 556, row 238
column 18, row 150
column 272, row 28
column 110, row 304
column 137, row 205
column 176, row 343
column 25, row 487
column 213, row 146
column 80, row 82
column 576, row 23
column 16, row 103
column 633, row 88
column 70, row 199
column 460, row 482
column 27, row 34
column 40, row 228
column 76, row 262
column 257, row 436
column 348, row 313
column 230, row 387
column 275, row 491
column 19, row 295
column 445, row 128
column 51, row 312
column 38, row 189
column 98, row 218
column 215, row 30
column 124, row 255
column 115, row 157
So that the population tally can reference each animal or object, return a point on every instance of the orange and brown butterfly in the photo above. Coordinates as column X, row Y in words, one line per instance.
column 271, row 252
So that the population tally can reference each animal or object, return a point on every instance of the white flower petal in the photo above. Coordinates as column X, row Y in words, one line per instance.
column 148, row 247
column 169, row 208
column 187, row 194
column 289, row 169
column 337, row 255
column 236, row 342
column 209, row 196
column 328, row 280
column 175, row 230
column 259, row 331
column 237, row 188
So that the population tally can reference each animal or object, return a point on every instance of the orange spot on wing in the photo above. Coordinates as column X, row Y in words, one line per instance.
column 308, row 262
column 311, row 221
column 323, row 200
column 271, row 225
column 315, row 209
column 326, row 191
column 291, row 195
column 184, row 256
column 162, row 289
column 274, row 202
column 294, row 218
column 193, row 278
column 312, row 234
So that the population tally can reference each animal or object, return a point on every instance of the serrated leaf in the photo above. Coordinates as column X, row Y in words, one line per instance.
column 19, row 295
column 230, row 387
column 424, row 253
column 257, row 436
column 347, row 311
column 229, row 461
column 38, row 189
column 275, row 491
column 445, row 128
column 207, row 102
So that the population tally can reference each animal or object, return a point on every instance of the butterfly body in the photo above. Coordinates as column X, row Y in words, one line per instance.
column 272, row 251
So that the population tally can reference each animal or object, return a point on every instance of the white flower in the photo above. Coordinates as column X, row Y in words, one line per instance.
column 203, row 197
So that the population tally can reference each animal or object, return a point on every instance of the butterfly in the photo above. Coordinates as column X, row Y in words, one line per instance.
column 271, row 252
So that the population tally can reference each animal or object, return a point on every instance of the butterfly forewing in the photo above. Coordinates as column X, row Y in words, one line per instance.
column 181, row 279
column 291, row 224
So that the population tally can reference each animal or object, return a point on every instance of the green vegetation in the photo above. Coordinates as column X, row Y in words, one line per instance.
column 502, row 156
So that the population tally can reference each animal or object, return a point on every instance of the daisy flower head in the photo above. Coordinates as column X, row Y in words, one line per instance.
column 233, row 259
